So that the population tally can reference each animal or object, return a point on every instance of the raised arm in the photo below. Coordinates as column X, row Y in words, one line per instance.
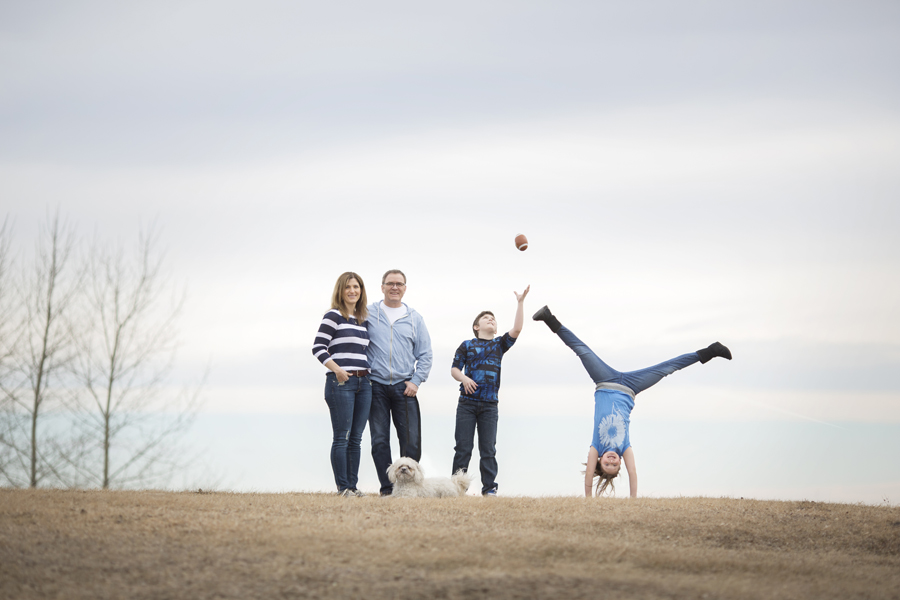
column 628, row 458
column 589, row 469
column 520, row 310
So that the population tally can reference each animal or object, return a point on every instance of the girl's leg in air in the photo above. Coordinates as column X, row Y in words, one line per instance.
column 599, row 371
column 638, row 380
column 641, row 379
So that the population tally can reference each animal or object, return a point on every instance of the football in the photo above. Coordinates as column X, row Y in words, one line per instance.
column 521, row 242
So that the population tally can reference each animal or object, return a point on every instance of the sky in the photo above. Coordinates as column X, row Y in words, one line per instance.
column 685, row 173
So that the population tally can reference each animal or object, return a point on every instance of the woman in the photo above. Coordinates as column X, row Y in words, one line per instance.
column 613, row 402
column 340, row 345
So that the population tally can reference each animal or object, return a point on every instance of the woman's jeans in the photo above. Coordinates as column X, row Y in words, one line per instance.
column 483, row 415
column 638, row 381
column 349, row 404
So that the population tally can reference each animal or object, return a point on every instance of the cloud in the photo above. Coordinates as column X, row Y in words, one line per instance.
column 684, row 173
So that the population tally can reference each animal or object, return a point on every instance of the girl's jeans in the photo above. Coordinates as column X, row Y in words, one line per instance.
column 638, row 381
column 349, row 404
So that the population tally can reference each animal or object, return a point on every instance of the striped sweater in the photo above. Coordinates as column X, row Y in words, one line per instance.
column 343, row 341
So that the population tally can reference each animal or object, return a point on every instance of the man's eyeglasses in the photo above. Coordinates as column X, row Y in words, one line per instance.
column 393, row 284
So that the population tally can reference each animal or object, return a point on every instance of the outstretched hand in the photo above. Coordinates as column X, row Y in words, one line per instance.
column 520, row 317
column 521, row 297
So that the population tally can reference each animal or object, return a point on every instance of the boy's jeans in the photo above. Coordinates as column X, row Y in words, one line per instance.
column 483, row 416
column 638, row 381
column 348, row 404
column 388, row 401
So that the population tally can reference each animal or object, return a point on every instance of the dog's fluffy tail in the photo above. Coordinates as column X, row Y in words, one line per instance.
column 461, row 480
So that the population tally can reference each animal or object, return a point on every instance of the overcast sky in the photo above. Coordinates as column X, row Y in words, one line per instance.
column 686, row 172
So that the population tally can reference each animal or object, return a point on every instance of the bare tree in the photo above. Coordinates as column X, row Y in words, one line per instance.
column 5, row 288
column 9, row 333
column 128, row 412
column 39, row 357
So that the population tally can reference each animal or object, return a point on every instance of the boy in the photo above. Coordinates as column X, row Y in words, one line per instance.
column 478, row 392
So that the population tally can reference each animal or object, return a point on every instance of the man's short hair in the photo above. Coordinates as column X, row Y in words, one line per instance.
column 478, row 318
column 398, row 271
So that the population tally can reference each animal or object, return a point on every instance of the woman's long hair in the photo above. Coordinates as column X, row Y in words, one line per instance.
column 337, row 298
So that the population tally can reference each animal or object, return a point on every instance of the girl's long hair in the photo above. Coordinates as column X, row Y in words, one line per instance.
column 337, row 298
column 605, row 481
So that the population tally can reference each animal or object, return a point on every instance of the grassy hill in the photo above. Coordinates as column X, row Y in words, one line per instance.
column 92, row 544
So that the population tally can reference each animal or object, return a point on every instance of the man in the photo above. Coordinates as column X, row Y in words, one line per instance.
column 400, row 356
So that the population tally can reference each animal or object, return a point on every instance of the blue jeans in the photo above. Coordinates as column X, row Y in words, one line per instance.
column 349, row 404
column 388, row 401
column 638, row 381
column 483, row 415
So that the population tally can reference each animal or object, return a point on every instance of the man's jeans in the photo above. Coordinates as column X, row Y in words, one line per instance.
column 638, row 381
column 348, row 404
column 470, row 415
column 388, row 401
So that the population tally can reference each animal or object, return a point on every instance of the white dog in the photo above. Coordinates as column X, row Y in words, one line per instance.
column 409, row 481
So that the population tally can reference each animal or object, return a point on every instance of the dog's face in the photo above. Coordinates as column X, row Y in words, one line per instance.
column 405, row 471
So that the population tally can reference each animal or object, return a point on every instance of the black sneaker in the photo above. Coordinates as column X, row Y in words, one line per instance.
column 542, row 314
column 712, row 351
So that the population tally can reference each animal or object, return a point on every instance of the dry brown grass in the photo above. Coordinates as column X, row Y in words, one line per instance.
column 89, row 544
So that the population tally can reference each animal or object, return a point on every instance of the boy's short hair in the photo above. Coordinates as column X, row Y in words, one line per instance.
column 478, row 318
